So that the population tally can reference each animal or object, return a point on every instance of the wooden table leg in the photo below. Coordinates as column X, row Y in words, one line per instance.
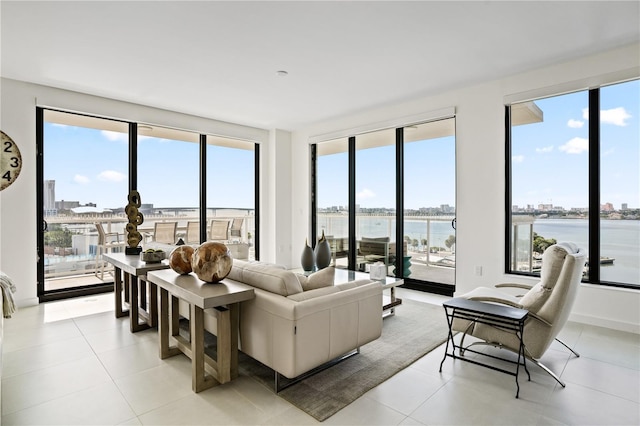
column 165, row 351
column 153, row 305
column 199, row 379
column 234, row 310
column 134, row 306
column 117, row 289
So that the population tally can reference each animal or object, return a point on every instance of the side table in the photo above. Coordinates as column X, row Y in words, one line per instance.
column 504, row 317
column 221, row 299
column 135, row 302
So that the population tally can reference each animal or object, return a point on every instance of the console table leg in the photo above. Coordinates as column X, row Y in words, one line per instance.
column 199, row 379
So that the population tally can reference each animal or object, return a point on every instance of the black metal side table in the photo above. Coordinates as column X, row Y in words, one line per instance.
column 500, row 316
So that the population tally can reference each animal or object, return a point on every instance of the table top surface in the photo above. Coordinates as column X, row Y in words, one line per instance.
column 132, row 264
column 347, row 275
column 200, row 293
column 485, row 308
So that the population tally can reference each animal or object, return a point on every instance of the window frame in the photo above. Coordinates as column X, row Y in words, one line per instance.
column 594, row 159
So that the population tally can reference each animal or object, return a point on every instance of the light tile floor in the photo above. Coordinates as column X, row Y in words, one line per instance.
column 72, row 362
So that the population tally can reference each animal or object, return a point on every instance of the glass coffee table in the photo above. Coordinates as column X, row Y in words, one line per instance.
column 390, row 283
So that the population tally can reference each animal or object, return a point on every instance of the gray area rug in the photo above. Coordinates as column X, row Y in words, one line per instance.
column 415, row 330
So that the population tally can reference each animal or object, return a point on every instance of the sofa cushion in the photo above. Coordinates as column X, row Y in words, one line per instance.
column 266, row 277
column 310, row 294
column 322, row 278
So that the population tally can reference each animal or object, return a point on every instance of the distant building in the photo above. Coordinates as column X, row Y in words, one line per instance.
column 545, row 207
column 624, row 206
column 607, row 207
column 49, row 195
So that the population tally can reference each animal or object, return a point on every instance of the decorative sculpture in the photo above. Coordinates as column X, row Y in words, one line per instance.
column 307, row 258
column 135, row 218
column 180, row 259
column 211, row 262
column 323, row 252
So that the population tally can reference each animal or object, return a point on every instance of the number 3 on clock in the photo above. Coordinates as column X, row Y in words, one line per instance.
column 10, row 161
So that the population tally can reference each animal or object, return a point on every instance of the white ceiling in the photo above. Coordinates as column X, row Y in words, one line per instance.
column 219, row 59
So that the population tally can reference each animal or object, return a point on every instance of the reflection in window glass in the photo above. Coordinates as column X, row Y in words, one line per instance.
column 620, row 183
column 231, row 194
column 332, row 197
column 376, row 199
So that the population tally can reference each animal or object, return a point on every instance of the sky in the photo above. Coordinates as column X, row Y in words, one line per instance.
column 550, row 159
column 549, row 164
column 91, row 166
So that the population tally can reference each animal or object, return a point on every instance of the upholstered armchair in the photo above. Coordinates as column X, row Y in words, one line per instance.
column 549, row 304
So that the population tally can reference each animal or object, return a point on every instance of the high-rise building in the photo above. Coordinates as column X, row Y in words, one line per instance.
column 49, row 195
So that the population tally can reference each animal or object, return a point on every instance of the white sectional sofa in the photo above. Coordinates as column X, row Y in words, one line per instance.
column 295, row 324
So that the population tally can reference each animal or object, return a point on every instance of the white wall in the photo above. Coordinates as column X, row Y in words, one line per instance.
column 285, row 173
column 480, row 172
column 18, row 202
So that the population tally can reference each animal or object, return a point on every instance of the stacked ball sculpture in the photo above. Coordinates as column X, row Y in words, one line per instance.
column 211, row 261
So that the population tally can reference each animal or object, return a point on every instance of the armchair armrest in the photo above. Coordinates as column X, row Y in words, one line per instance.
column 496, row 300
column 514, row 285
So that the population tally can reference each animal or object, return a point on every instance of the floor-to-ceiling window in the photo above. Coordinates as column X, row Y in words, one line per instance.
column 84, row 186
column 376, row 199
column 430, row 201
column 574, row 175
column 86, row 167
column 231, row 192
column 332, row 198
column 167, row 181
column 389, row 196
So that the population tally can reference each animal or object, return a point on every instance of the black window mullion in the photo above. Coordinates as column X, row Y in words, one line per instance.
column 256, row 203
column 352, row 202
column 508, row 237
column 594, row 185
column 133, row 156
column 399, row 203
column 313, row 156
column 203, row 188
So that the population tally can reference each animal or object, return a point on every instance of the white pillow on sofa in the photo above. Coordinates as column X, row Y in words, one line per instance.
column 322, row 278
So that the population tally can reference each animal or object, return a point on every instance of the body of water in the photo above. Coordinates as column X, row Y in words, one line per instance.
column 620, row 239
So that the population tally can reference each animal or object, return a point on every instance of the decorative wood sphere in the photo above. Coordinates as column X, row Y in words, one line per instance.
column 211, row 262
column 180, row 259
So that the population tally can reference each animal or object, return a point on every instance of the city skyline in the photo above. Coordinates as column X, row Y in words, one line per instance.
column 91, row 166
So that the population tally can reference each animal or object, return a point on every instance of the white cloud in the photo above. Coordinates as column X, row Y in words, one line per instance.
column 575, row 146
column 111, row 176
column 365, row 194
column 575, row 124
column 616, row 116
column 82, row 180
column 517, row 158
column 544, row 149
column 115, row 136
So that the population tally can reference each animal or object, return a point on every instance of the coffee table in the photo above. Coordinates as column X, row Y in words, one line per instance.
column 221, row 300
column 135, row 289
column 390, row 283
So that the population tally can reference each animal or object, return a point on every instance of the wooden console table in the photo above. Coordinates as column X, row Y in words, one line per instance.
column 134, row 301
column 500, row 316
column 222, row 300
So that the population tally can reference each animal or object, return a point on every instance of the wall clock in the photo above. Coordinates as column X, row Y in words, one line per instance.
column 10, row 161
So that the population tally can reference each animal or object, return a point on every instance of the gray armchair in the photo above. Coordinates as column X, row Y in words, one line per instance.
column 549, row 304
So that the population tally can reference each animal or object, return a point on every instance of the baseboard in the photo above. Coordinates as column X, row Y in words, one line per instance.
column 23, row 303
column 606, row 323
